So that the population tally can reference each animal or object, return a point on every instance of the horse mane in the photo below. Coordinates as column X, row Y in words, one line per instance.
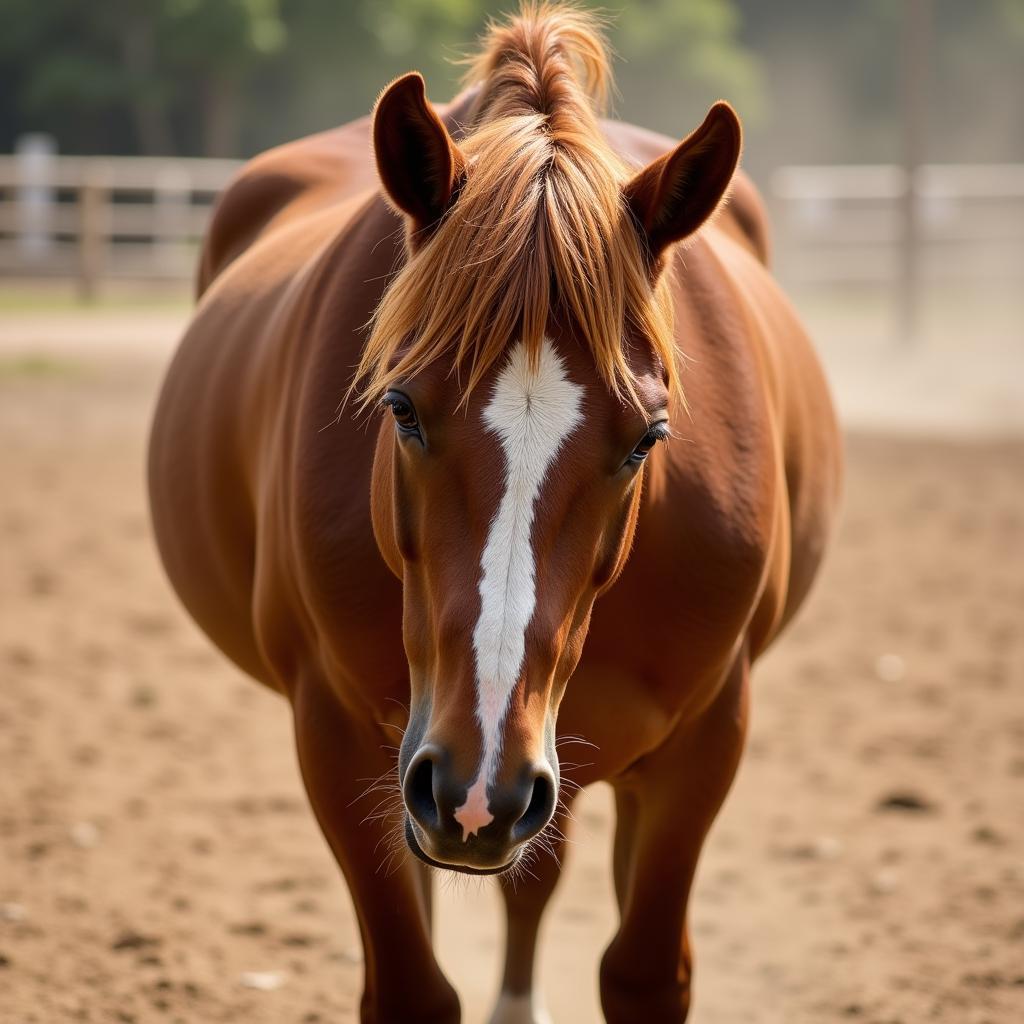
column 540, row 229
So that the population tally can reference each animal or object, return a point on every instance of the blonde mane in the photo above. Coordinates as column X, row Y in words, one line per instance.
column 540, row 230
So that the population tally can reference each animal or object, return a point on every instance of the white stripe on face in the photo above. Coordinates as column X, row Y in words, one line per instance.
column 533, row 411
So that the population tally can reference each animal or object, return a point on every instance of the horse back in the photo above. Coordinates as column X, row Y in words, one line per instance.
column 323, row 169
column 282, row 184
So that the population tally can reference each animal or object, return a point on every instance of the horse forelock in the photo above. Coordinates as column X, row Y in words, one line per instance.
column 550, row 59
column 540, row 234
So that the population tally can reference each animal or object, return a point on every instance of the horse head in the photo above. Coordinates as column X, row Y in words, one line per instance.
column 524, row 360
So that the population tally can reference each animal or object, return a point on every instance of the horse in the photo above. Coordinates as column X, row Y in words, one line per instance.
column 491, row 430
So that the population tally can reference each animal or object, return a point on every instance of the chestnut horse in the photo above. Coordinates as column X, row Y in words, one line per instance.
column 423, row 462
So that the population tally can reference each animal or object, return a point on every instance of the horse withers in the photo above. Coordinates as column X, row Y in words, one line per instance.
column 505, row 438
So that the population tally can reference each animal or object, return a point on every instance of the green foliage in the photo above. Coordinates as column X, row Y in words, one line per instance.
column 144, row 60
column 207, row 33
column 681, row 57
column 813, row 81
column 241, row 75
column 695, row 42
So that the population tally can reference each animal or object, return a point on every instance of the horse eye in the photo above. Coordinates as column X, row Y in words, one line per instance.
column 658, row 432
column 402, row 411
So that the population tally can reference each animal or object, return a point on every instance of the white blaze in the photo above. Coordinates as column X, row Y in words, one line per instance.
column 532, row 411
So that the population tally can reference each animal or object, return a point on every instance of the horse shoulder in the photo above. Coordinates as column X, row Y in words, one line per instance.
column 737, row 509
column 225, row 428
column 807, row 439
column 325, row 591
column 669, row 627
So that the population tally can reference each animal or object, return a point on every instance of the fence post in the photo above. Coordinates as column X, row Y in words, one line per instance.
column 36, row 154
column 172, row 198
column 916, row 53
column 93, row 211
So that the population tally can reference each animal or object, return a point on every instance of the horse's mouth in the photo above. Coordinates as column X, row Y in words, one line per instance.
column 466, row 869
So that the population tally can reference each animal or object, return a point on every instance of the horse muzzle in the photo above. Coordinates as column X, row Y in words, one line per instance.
column 472, row 826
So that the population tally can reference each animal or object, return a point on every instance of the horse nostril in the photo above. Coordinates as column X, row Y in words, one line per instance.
column 419, row 793
column 538, row 811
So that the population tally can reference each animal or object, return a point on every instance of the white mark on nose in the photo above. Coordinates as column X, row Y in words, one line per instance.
column 533, row 410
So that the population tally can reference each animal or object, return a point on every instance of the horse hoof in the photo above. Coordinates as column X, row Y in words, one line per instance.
column 520, row 1009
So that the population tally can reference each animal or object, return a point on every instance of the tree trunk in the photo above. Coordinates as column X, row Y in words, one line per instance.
column 221, row 115
column 138, row 49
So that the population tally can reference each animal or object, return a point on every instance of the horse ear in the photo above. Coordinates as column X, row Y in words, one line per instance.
column 673, row 196
column 419, row 165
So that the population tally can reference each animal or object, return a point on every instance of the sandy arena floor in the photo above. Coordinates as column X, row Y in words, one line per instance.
column 155, row 843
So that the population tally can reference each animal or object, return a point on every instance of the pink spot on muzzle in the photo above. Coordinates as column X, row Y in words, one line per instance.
column 474, row 815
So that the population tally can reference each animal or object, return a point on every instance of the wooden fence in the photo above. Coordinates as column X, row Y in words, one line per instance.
column 838, row 224
column 91, row 218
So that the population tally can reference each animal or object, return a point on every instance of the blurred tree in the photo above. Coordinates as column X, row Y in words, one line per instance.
column 61, row 70
column 234, row 76
column 833, row 74
column 679, row 58
column 147, row 58
column 978, row 79
column 679, row 55
column 212, row 48
column 340, row 55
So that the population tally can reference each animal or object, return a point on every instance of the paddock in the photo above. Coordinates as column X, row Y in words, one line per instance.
column 160, row 862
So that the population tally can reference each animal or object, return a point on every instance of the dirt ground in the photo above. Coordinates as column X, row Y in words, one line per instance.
column 158, row 859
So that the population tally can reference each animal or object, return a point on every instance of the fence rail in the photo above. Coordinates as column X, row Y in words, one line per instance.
column 839, row 224
column 92, row 218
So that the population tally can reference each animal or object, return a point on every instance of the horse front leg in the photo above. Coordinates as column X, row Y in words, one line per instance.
column 403, row 982
column 526, row 895
column 667, row 803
